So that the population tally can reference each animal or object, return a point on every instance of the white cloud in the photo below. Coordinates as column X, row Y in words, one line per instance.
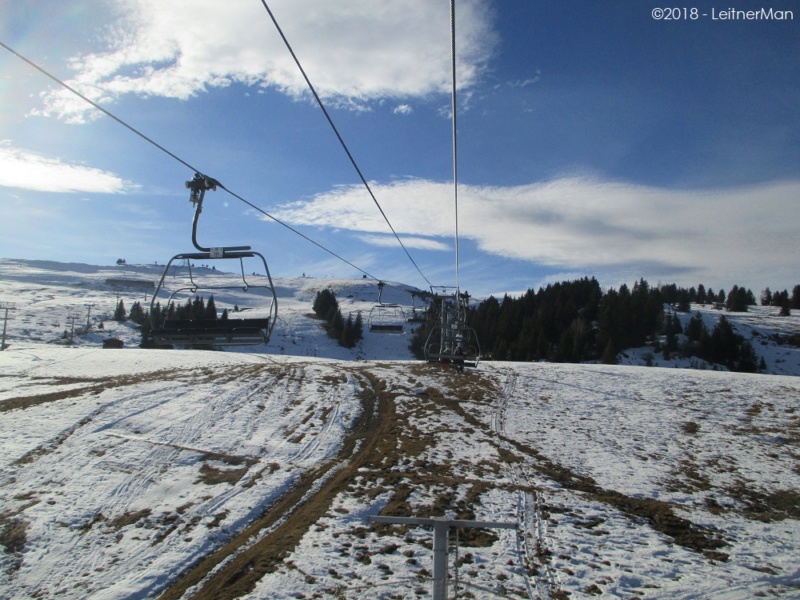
column 403, row 109
column 409, row 242
column 353, row 52
column 588, row 225
column 27, row 170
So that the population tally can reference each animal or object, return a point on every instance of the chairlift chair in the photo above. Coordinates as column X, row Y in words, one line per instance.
column 450, row 340
column 386, row 318
column 418, row 314
column 204, row 333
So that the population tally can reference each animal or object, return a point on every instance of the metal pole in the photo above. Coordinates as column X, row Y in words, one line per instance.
column 440, row 531
column 441, row 526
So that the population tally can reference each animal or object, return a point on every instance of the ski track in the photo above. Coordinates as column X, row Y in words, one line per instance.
column 103, row 454
column 141, row 451
column 530, row 535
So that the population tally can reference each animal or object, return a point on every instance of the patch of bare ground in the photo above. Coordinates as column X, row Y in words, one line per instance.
column 658, row 514
column 235, row 467
column 84, row 387
column 13, row 537
column 766, row 506
column 128, row 518
column 12, row 533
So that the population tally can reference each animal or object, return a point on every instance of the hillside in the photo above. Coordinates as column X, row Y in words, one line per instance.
column 172, row 473
column 48, row 294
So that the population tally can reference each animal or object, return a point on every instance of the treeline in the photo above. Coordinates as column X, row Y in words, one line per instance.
column 347, row 331
column 736, row 300
column 576, row 321
column 721, row 346
column 194, row 309
column 782, row 300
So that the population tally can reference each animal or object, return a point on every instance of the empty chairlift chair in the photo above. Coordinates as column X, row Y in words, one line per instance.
column 386, row 318
column 168, row 328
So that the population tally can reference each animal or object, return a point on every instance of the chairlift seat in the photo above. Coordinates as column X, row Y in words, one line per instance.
column 227, row 332
column 386, row 318
column 387, row 328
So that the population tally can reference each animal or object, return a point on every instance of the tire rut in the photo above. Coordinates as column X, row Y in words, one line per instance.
column 234, row 570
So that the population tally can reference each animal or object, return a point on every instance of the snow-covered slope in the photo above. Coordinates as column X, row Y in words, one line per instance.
column 52, row 299
column 171, row 473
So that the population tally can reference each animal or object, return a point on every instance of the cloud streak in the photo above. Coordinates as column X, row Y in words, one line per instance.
column 26, row 170
column 578, row 223
column 354, row 52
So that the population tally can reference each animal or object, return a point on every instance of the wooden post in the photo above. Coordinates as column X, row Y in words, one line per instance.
column 5, row 306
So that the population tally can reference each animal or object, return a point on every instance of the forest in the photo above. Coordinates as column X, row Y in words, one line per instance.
column 576, row 321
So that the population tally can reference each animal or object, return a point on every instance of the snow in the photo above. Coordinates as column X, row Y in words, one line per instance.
column 120, row 470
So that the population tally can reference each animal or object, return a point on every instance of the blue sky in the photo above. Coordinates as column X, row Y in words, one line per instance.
column 593, row 139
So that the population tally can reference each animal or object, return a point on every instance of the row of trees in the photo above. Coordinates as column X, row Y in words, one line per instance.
column 195, row 309
column 736, row 300
column 576, row 321
column 782, row 299
column 348, row 332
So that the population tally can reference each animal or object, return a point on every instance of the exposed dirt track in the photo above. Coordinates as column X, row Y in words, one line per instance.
column 290, row 517
column 386, row 436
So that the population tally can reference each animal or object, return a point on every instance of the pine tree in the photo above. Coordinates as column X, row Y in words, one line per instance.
column 747, row 361
column 119, row 313
column 136, row 314
column 198, row 308
column 766, row 297
column 782, row 299
column 210, row 312
column 358, row 328
column 610, row 354
column 701, row 294
column 347, row 337
column 324, row 302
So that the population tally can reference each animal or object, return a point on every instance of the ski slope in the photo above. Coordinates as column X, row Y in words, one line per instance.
column 167, row 473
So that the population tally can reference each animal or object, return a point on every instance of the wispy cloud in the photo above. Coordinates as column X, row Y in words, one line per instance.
column 27, row 170
column 389, row 241
column 587, row 224
column 354, row 52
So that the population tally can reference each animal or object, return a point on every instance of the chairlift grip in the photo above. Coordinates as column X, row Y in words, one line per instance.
column 198, row 187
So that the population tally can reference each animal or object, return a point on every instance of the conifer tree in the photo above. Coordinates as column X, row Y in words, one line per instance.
column 358, row 328
column 610, row 354
column 347, row 337
column 136, row 313
column 701, row 294
column 210, row 311
column 119, row 313
column 766, row 297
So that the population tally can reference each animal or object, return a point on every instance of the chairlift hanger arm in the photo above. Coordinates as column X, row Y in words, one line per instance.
column 198, row 186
